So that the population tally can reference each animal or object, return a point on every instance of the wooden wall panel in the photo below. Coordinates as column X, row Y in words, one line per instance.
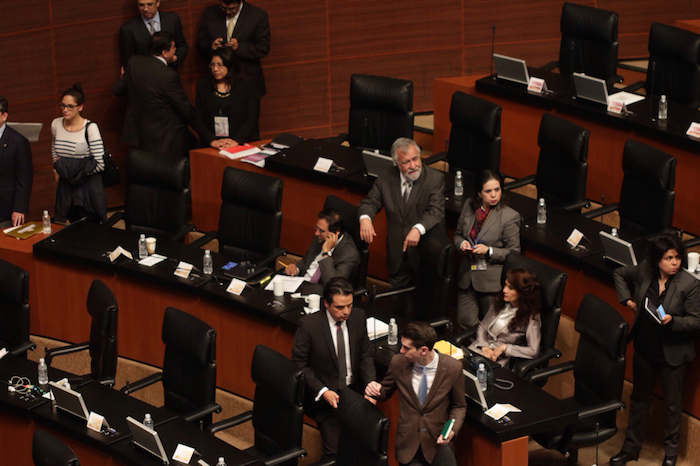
column 637, row 16
column 18, row 16
column 297, row 32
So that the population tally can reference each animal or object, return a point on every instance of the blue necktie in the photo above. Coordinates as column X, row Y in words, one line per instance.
column 423, row 388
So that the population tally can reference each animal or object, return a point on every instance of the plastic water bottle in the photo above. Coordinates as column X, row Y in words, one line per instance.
column 46, row 223
column 143, row 248
column 148, row 421
column 393, row 338
column 221, row 461
column 207, row 265
column 459, row 184
column 614, row 232
column 481, row 376
column 541, row 212
column 43, row 372
column 663, row 108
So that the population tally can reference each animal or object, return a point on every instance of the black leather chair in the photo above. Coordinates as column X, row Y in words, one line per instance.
column 250, row 221
column 599, row 372
column 475, row 136
column 352, row 227
column 189, row 367
column 562, row 167
column 47, row 450
column 157, row 196
column 102, row 307
column 588, row 43
column 381, row 111
column 14, row 309
column 647, row 196
column 277, row 414
column 444, row 457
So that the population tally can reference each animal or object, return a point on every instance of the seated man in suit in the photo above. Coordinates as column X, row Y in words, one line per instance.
column 431, row 391
column 16, row 172
column 332, row 348
column 331, row 254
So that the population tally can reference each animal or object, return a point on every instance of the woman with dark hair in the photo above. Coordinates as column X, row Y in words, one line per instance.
column 666, row 303
column 78, row 158
column 487, row 231
column 226, row 109
column 512, row 327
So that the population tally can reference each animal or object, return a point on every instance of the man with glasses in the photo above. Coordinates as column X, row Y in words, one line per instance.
column 245, row 29
column 135, row 33
column 16, row 172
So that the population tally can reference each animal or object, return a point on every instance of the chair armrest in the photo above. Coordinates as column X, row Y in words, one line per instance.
column 602, row 210
column 527, row 365
column 601, row 408
column 180, row 234
column 444, row 322
column 577, row 205
column 296, row 452
column 143, row 383
column 550, row 66
column 340, row 138
column 692, row 242
column 198, row 243
column 269, row 260
column 201, row 412
column 23, row 348
column 230, row 422
column 361, row 292
column 434, row 158
column 108, row 381
column 550, row 371
column 465, row 335
column 633, row 87
column 61, row 350
column 114, row 219
column 520, row 182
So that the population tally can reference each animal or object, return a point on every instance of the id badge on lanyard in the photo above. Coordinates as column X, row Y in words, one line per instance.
column 221, row 126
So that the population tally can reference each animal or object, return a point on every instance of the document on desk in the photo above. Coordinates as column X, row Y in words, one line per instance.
column 376, row 328
column 323, row 165
column 291, row 284
column 241, row 150
column 626, row 98
column 499, row 410
column 152, row 260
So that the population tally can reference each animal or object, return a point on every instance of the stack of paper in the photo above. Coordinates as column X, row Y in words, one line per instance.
column 445, row 347
column 241, row 150
column 376, row 328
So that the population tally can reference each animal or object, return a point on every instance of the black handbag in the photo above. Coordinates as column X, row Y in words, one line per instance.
column 110, row 175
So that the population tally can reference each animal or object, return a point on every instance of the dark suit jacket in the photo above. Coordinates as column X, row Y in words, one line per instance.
column 252, row 32
column 157, row 111
column 682, row 302
column 422, row 425
column 342, row 262
column 134, row 37
column 426, row 206
column 313, row 351
column 500, row 231
column 16, row 174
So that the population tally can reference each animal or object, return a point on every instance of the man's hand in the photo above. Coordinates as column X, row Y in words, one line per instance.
column 373, row 389
column 666, row 319
column 371, row 400
column 218, row 43
column 330, row 242
column 631, row 304
column 331, row 398
column 412, row 239
column 465, row 246
column 17, row 219
column 233, row 43
column 442, row 441
column 121, row 71
column 291, row 270
column 367, row 232
column 481, row 249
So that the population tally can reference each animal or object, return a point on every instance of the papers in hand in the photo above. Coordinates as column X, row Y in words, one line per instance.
column 656, row 313
column 291, row 284
column 447, row 348
column 241, row 150
column 376, row 328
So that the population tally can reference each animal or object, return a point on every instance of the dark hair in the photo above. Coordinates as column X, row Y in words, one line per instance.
column 529, row 298
column 159, row 42
column 660, row 245
column 230, row 61
column 228, row 2
column 76, row 92
column 334, row 219
column 481, row 179
column 4, row 105
column 337, row 285
column 421, row 334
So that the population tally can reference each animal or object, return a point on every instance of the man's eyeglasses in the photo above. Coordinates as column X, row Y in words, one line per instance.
column 68, row 106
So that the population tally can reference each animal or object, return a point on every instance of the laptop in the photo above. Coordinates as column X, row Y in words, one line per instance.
column 617, row 250
column 28, row 130
column 473, row 390
column 147, row 439
column 511, row 69
column 69, row 401
column 376, row 163
column 590, row 88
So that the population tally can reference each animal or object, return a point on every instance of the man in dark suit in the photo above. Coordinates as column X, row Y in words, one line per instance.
column 157, row 111
column 414, row 199
column 135, row 33
column 332, row 252
column 245, row 29
column 16, row 172
column 332, row 348
column 431, row 391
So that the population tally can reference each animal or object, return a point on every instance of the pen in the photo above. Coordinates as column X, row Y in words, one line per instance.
column 279, row 262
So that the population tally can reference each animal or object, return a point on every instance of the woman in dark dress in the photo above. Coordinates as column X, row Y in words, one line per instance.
column 226, row 107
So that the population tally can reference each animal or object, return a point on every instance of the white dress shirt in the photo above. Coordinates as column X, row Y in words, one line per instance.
column 430, row 371
column 334, row 335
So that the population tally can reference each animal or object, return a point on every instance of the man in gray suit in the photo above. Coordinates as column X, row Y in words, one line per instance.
column 414, row 199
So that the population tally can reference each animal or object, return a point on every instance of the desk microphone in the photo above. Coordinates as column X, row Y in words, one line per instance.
column 651, row 91
column 597, row 428
column 364, row 134
column 602, row 203
column 573, row 67
column 493, row 43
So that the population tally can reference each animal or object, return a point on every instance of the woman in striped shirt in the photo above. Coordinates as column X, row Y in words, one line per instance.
column 78, row 158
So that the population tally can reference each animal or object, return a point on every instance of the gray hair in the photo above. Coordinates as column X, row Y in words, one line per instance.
column 403, row 144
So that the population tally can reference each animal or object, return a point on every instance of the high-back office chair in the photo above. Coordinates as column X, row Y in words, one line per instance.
column 102, row 307
column 475, row 136
column 588, row 43
column 250, row 220
column 14, row 309
column 444, row 457
column 157, row 195
column 277, row 413
column 381, row 111
column 352, row 228
column 189, row 367
column 647, row 196
column 562, row 167
column 47, row 450
column 600, row 356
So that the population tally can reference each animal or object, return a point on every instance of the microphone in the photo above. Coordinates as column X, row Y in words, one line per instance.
column 602, row 203
column 573, row 59
column 597, row 428
column 493, row 43
column 651, row 90
column 364, row 134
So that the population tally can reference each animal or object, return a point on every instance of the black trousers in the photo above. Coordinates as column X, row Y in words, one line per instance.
column 645, row 374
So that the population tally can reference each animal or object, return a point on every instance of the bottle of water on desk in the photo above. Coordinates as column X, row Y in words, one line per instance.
column 148, row 421
column 46, row 223
column 143, row 248
column 459, row 184
column 221, row 461
column 481, row 376
column 393, row 338
column 663, row 108
column 43, row 372
column 207, row 265
column 541, row 212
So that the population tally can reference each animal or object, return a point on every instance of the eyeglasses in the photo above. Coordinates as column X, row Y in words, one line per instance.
column 216, row 65
column 68, row 106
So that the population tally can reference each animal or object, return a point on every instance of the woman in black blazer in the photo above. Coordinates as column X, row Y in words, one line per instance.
column 662, row 346
column 226, row 109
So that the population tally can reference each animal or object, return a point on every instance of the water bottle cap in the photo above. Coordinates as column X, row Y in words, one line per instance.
column 147, row 416
column 541, row 200
column 41, row 360
column 663, row 96
column 143, row 236
column 221, row 459
column 46, row 212
column 207, row 252
column 459, row 172
column 481, row 365
column 392, row 321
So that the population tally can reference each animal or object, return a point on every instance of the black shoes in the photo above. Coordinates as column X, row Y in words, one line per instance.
column 669, row 461
column 624, row 456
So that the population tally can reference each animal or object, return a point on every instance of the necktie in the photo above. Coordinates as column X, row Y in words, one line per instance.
column 151, row 27
column 229, row 29
column 342, row 368
column 407, row 185
column 317, row 275
column 423, row 388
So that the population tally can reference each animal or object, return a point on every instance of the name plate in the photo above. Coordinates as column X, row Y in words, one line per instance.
column 537, row 85
column 616, row 106
column 693, row 130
